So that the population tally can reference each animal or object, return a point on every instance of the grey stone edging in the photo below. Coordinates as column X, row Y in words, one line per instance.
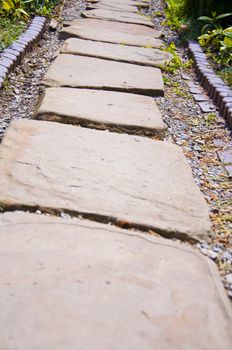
column 12, row 56
column 216, row 88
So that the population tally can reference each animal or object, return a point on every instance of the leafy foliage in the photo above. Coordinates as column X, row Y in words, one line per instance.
column 41, row 7
column 174, row 13
column 13, row 8
column 15, row 13
column 22, row 9
column 226, row 75
column 186, row 12
column 218, row 43
column 175, row 62
column 212, row 22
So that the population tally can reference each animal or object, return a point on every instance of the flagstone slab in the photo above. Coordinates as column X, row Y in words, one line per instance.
column 140, row 3
column 119, row 7
column 102, row 175
column 126, row 28
column 66, row 282
column 123, row 5
column 121, row 53
column 116, row 33
column 125, row 17
column 95, row 108
column 87, row 72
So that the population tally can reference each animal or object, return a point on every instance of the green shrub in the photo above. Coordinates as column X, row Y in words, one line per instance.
column 176, row 62
column 41, row 7
column 14, row 9
column 175, row 13
column 180, row 12
column 21, row 9
column 197, row 8
column 226, row 75
column 218, row 43
column 213, row 22
column 15, row 13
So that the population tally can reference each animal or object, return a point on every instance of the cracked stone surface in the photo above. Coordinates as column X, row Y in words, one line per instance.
column 121, row 53
column 83, row 106
column 116, row 33
column 123, row 178
column 125, row 17
column 64, row 279
column 88, row 72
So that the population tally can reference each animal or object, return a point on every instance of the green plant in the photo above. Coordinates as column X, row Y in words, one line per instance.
column 158, row 13
column 212, row 22
column 182, row 93
column 41, row 7
column 13, row 8
column 210, row 119
column 226, row 75
column 10, row 30
column 175, row 63
column 174, row 13
column 218, row 43
column 170, row 82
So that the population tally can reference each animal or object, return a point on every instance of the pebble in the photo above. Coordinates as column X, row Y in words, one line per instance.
column 228, row 278
column 65, row 216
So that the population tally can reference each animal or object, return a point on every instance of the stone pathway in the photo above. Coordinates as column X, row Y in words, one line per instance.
column 120, row 53
column 70, row 282
column 116, row 33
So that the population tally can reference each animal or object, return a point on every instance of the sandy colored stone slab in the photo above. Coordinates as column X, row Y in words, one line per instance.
column 128, row 5
column 115, row 16
column 88, row 72
column 121, row 53
column 126, row 28
column 133, row 179
column 66, row 282
column 113, row 7
column 128, row 112
column 141, row 3
column 116, row 33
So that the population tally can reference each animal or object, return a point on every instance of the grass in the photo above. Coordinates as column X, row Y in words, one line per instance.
column 10, row 30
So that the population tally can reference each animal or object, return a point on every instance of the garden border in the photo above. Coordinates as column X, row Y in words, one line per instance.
column 12, row 56
column 216, row 88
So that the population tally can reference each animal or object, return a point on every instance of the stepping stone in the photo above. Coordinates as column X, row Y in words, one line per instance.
column 125, row 17
column 113, row 7
column 94, row 73
column 141, row 3
column 200, row 97
column 123, row 5
column 102, row 175
column 122, row 53
column 196, row 90
column 207, row 107
column 63, row 280
column 94, row 108
column 116, row 33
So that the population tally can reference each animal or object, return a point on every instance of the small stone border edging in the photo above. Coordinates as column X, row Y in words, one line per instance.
column 217, row 90
column 12, row 56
